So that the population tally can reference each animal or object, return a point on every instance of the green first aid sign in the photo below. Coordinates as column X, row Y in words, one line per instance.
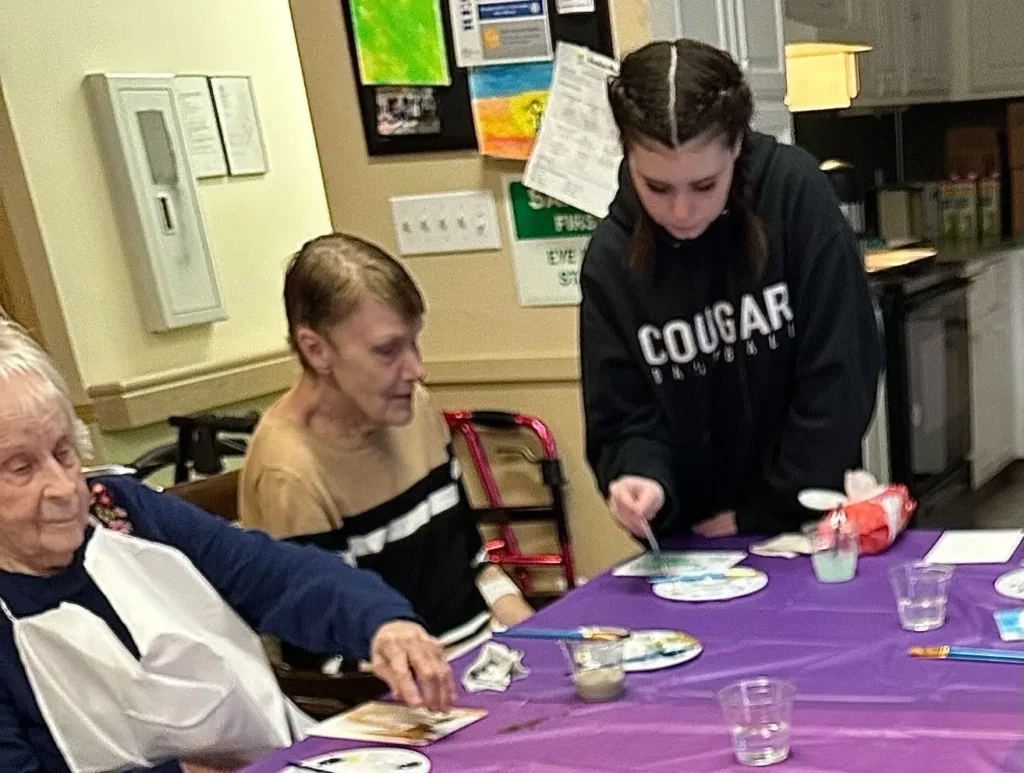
column 549, row 239
column 536, row 216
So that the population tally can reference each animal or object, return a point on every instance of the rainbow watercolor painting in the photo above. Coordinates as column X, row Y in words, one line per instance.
column 508, row 101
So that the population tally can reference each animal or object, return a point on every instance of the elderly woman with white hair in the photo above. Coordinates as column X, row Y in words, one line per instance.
column 128, row 626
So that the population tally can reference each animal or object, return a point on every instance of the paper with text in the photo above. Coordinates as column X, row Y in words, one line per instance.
column 577, row 152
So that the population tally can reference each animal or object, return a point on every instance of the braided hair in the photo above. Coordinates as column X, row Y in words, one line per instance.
column 671, row 92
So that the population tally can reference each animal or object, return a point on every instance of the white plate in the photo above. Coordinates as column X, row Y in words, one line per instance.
column 1011, row 584
column 711, row 590
column 643, row 649
column 367, row 760
column 821, row 499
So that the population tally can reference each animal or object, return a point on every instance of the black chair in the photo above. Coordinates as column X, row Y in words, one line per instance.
column 200, row 449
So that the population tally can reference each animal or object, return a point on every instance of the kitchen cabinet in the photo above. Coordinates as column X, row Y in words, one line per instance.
column 993, row 441
column 933, row 50
column 909, row 54
column 820, row 13
column 760, row 47
column 879, row 22
column 996, row 29
column 874, row 23
column 751, row 30
column 928, row 43
column 775, row 119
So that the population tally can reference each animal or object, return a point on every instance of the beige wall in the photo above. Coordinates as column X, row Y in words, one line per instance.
column 482, row 349
column 253, row 223
column 23, row 261
column 518, row 359
column 60, row 207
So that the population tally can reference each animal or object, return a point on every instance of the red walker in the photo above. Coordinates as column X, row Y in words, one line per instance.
column 505, row 550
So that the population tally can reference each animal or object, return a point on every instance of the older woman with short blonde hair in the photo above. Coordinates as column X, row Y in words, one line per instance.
column 357, row 457
column 128, row 618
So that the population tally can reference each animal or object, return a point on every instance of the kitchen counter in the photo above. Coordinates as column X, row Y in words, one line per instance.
column 965, row 252
column 886, row 264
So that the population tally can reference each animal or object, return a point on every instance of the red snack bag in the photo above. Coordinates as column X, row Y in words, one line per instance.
column 881, row 517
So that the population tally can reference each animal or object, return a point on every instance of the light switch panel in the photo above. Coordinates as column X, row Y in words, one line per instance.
column 464, row 221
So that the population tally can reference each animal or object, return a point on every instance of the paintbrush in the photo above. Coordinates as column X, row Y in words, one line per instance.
column 655, row 547
column 978, row 654
column 583, row 633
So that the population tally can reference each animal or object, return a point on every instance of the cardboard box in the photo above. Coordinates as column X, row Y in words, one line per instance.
column 973, row 151
column 1015, row 134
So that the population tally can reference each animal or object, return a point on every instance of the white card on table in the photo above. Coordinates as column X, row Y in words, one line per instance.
column 685, row 562
column 978, row 546
column 392, row 723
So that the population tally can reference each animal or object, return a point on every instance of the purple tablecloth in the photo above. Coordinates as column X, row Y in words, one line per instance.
column 862, row 703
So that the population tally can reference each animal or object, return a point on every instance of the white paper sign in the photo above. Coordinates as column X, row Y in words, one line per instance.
column 199, row 124
column 236, row 109
column 577, row 153
column 574, row 6
column 548, row 242
column 500, row 31
column 978, row 546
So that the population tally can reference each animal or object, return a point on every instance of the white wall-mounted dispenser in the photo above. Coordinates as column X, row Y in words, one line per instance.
column 137, row 120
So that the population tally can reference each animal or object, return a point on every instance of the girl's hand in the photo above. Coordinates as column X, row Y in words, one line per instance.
column 634, row 501
column 193, row 767
column 721, row 525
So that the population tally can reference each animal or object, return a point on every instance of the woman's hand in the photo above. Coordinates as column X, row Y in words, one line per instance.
column 634, row 501
column 721, row 525
column 413, row 665
column 193, row 767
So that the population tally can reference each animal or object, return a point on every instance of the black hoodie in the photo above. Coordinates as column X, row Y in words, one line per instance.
column 734, row 392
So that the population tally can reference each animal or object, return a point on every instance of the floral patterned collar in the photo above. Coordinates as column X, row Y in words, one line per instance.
column 105, row 513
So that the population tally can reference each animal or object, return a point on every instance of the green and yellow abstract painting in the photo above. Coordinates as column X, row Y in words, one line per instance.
column 400, row 42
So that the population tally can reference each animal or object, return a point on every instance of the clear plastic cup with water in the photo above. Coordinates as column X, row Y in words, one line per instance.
column 597, row 671
column 921, row 591
column 758, row 713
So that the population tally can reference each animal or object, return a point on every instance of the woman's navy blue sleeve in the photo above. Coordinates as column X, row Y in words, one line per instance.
column 301, row 594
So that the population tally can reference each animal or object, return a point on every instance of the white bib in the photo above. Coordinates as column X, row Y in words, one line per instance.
column 202, row 687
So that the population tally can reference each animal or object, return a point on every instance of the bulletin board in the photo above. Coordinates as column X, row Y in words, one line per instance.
column 445, row 111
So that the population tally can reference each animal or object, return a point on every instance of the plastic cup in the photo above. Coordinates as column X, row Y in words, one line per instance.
column 921, row 592
column 597, row 671
column 758, row 713
column 834, row 550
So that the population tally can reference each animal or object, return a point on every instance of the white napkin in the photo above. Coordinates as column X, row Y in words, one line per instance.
column 495, row 668
column 783, row 546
